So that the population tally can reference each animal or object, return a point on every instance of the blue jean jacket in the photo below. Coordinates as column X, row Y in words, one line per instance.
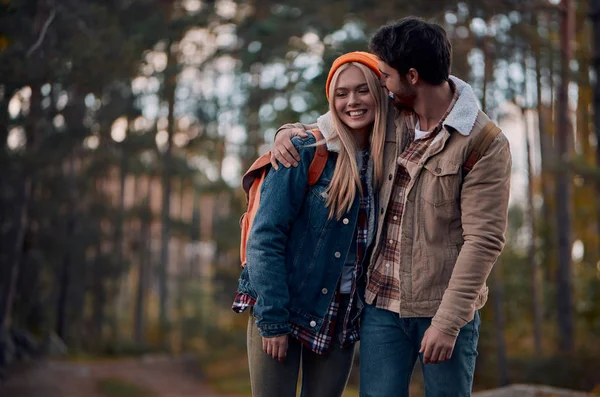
column 295, row 253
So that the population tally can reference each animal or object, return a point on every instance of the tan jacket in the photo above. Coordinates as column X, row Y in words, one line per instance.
column 452, row 231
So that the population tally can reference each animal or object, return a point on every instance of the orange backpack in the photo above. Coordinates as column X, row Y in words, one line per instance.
column 253, row 180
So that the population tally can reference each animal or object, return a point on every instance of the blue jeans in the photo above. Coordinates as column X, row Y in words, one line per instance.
column 389, row 347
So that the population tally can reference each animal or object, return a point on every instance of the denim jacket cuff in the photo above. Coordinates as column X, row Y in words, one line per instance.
column 273, row 330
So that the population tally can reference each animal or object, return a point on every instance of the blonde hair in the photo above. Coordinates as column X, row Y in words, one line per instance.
column 346, row 179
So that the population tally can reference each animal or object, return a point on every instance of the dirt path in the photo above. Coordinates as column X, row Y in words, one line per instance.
column 165, row 377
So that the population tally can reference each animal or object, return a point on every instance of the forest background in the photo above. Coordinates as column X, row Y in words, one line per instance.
column 125, row 126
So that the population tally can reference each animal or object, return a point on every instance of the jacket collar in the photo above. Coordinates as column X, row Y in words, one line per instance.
column 325, row 125
column 463, row 115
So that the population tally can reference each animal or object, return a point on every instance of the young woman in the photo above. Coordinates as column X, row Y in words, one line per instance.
column 306, row 246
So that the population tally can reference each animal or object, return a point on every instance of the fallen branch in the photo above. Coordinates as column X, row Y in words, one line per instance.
column 40, row 39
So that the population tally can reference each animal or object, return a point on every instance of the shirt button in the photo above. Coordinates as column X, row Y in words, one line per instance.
column 391, row 241
column 387, row 265
column 324, row 291
column 395, row 218
column 438, row 170
column 381, row 211
column 390, row 176
column 337, row 254
column 313, row 323
column 324, row 194
column 345, row 221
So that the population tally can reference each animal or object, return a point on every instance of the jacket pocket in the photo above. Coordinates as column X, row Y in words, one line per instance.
column 318, row 211
column 439, row 203
column 441, row 183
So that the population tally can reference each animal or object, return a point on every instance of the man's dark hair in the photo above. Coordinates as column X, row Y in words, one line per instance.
column 414, row 43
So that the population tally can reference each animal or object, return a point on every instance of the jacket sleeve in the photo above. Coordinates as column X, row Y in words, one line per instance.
column 282, row 196
column 484, row 212
column 305, row 127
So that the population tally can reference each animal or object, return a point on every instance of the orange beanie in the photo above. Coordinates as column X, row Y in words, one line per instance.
column 367, row 59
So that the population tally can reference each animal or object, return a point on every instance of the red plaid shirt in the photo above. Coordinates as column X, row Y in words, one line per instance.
column 383, row 286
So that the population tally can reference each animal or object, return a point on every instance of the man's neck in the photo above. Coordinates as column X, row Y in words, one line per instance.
column 432, row 103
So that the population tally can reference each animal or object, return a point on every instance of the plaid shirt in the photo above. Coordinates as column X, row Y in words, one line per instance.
column 383, row 286
column 320, row 341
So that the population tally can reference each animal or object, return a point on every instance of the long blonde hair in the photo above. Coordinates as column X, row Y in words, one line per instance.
column 346, row 179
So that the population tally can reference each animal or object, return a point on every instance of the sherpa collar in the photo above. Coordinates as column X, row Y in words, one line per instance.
column 463, row 115
column 327, row 128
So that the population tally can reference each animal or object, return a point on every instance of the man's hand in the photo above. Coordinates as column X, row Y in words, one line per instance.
column 283, row 148
column 436, row 346
column 276, row 347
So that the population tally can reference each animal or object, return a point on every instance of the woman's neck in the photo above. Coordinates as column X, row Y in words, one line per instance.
column 361, row 138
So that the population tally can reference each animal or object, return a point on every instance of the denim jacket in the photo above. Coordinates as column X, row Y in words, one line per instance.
column 295, row 253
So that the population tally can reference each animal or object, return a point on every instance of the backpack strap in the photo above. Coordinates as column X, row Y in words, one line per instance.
column 481, row 144
column 317, row 165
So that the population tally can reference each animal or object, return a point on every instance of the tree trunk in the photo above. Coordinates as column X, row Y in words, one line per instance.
column 531, row 249
column 64, row 279
column 20, row 222
column 99, row 276
column 595, row 16
column 488, row 68
column 531, row 223
column 548, row 252
column 563, row 186
column 170, row 86
column 17, row 217
column 119, row 237
column 497, row 297
column 144, row 265
column 99, row 292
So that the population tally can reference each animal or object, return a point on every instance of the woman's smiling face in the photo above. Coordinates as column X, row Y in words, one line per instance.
column 353, row 101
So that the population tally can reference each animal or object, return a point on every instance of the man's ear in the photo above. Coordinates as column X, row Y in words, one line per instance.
column 412, row 76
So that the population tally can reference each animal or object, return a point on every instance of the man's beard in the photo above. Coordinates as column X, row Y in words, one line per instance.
column 397, row 103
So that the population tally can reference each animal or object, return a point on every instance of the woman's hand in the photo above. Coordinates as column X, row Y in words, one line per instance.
column 276, row 347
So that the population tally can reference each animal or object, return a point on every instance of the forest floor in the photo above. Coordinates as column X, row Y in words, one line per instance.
column 161, row 376
column 147, row 377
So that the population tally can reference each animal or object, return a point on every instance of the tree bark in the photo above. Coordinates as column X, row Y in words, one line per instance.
column 497, row 298
column 595, row 17
column 119, row 237
column 531, row 223
column 64, row 278
column 545, row 140
column 18, row 202
column 563, row 186
column 169, row 94
column 531, row 249
column 144, row 265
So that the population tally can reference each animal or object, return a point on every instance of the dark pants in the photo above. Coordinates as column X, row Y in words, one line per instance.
column 389, row 349
column 322, row 375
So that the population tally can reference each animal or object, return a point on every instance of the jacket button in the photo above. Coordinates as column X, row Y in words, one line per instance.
column 438, row 170
column 381, row 211
column 390, row 177
column 313, row 323
column 337, row 254
column 324, row 291
column 345, row 221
